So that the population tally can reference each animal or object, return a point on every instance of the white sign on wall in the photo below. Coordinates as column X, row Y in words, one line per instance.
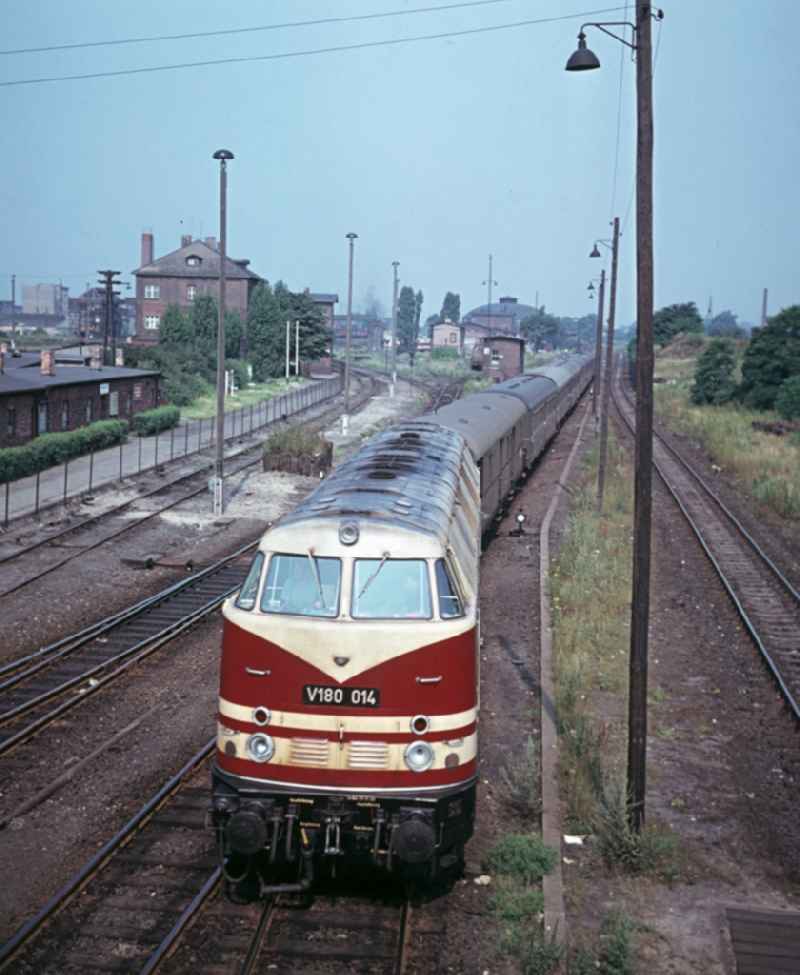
column 104, row 389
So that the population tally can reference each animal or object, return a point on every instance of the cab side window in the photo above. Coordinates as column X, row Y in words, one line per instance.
column 247, row 594
column 449, row 600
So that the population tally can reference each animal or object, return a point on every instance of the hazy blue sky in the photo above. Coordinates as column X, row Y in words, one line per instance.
column 435, row 152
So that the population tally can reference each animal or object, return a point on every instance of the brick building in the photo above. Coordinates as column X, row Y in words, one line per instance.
column 447, row 335
column 499, row 357
column 325, row 303
column 366, row 334
column 49, row 398
column 181, row 276
column 502, row 317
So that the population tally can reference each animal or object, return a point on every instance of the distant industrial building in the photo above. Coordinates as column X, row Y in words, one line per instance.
column 183, row 275
column 45, row 299
column 40, row 395
column 366, row 334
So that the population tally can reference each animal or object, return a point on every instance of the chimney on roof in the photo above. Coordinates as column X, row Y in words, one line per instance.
column 508, row 301
column 186, row 239
column 211, row 242
column 47, row 363
column 147, row 249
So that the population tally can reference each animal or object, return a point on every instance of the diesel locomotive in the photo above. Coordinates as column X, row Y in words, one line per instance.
column 349, row 686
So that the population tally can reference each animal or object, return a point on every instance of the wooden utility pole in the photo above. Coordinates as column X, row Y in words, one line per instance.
column 351, row 237
column 643, row 484
column 395, row 286
column 609, row 368
column 108, row 282
column 598, row 346
column 764, row 308
column 223, row 155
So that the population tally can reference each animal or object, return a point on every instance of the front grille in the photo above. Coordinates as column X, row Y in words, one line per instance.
column 368, row 755
column 309, row 752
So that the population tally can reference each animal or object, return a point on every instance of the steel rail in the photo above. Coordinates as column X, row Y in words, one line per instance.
column 103, row 855
column 66, row 645
column 788, row 695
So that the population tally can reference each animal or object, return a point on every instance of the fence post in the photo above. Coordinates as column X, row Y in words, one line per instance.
column 251, row 418
column 36, row 503
column 8, row 491
column 91, row 473
column 199, row 433
column 120, row 462
column 66, row 468
column 155, row 464
column 171, row 442
column 140, row 453
column 186, row 439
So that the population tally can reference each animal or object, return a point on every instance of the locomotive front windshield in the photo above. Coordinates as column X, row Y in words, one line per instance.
column 302, row 585
column 391, row 589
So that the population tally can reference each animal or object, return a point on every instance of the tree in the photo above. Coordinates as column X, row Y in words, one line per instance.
column 787, row 402
column 406, row 313
column 714, row 381
column 772, row 357
column 373, row 306
column 430, row 321
column 451, row 307
column 315, row 339
column 175, row 331
column 203, row 318
column 724, row 325
column 265, row 334
column 672, row 319
column 540, row 329
column 234, row 334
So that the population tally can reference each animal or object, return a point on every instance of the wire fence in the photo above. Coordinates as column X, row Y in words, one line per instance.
column 81, row 475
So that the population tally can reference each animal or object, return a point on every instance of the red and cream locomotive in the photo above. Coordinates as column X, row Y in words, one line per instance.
column 348, row 710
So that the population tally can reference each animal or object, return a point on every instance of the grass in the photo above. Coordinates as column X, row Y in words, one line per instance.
column 519, row 781
column 767, row 467
column 206, row 405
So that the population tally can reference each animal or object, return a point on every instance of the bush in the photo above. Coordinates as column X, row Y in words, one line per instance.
column 787, row 402
column 241, row 371
column 154, row 421
column 772, row 357
column 713, row 378
column 519, row 779
column 54, row 448
column 523, row 856
column 444, row 353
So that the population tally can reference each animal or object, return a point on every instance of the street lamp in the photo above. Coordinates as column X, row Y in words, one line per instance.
column 219, row 502
column 345, row 416
column 395, row 265
column 489, row 282
column 583, row 60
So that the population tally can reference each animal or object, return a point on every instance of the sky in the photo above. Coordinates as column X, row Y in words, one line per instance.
column 435, row 152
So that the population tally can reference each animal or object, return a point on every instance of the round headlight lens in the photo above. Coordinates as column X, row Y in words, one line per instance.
column 260, row 747
column 418, row 756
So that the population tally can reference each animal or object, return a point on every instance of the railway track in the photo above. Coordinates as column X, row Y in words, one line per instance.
column 766, row 601
column 70, row 547
column 38, row 689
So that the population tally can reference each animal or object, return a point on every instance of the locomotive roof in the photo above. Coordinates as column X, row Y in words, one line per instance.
column 407, row 477
column 482, row 420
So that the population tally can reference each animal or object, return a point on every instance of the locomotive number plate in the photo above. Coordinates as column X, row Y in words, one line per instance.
column 349, row 697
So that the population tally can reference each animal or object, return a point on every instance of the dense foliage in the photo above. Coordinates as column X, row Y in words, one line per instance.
column 451, row 307
column 787, row 402
column 672, row 319
column 772, row 357
column 406, row 316
column 714, row 381
column 54, row 448
column 270, row 310
column 154, row 421
column 725, row 325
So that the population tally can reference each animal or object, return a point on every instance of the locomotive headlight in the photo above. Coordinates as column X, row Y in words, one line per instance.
column 260, row 747
column 418, row 756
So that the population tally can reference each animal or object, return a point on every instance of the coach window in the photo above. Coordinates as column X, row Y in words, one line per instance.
column 247, row 594
column 449, row 600
column 391, row 589
column 302, row 585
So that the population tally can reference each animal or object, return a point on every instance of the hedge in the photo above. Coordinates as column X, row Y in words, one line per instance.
column 154, row 421
column 54, row 448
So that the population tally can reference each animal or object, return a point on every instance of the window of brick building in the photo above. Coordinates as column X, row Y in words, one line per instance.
column 137, row 390
column 113, row 404
column 152, row 291
column 64, row 415
column 89, row 410
column 11, row 421
column 191, row 291
column 193, row 260
column 152, row 321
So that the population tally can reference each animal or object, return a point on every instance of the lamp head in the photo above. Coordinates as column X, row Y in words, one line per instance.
column 223, row 154
column 351, row 236
column 583, row 59
column 595, row 251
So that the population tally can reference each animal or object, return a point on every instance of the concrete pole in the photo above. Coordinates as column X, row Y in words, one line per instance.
column 393, row 384
column 608, row 374
column 219, row 502
column 297, row 348
column 288, row 354
column 346, row 415
column 598, row 346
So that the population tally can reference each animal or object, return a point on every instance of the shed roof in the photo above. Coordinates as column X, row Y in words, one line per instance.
column 31, row 380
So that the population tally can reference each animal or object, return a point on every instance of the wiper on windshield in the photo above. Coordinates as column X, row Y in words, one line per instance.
column 374, row 575
column 317, row 579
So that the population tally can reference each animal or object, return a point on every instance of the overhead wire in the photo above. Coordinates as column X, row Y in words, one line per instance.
column 334, row 49
column 248, row 30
